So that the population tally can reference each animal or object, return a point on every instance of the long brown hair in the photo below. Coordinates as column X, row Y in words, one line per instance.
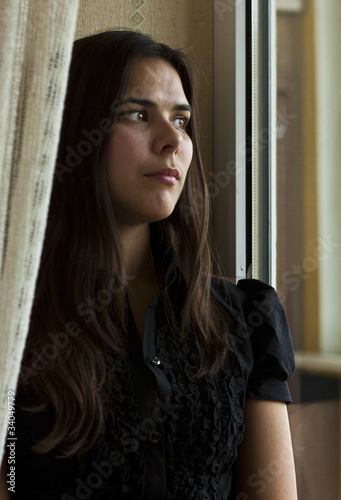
column 79, row 306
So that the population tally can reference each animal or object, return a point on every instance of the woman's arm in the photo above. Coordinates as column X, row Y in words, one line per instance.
column 4, row 493
column 266, row 468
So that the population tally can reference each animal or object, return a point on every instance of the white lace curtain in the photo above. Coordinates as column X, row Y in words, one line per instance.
column 35, row 48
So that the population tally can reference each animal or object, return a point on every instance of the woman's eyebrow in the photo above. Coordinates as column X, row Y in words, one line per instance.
column 147, row 102
column 182, row 107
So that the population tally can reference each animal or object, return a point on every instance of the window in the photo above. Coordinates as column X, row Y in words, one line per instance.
column 277, row 158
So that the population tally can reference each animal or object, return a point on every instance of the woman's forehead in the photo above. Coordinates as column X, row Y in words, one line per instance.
column 154, row 77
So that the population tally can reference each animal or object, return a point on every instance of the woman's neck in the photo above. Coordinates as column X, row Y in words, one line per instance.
column 137, row 252
column 144, row 280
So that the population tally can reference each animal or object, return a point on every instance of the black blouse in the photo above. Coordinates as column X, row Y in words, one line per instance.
column 170, row 435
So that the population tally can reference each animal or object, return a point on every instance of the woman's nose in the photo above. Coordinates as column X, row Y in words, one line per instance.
column 167, row 138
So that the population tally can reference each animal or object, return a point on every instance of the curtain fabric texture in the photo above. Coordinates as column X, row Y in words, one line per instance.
column 36, row 39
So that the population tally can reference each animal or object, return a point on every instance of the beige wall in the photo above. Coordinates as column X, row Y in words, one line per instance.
column 328, row 108
column 179, row 23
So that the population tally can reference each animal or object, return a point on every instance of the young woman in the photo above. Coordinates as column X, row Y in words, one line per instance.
column 145, row 377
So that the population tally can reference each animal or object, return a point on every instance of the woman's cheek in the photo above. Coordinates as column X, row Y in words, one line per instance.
column 188, row 153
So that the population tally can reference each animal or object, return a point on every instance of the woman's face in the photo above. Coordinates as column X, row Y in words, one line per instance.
column 149, row 152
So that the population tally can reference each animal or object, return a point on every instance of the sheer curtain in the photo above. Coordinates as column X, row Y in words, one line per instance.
column 35, row 48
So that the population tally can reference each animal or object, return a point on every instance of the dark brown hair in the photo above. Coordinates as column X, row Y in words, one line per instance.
column 64, row 363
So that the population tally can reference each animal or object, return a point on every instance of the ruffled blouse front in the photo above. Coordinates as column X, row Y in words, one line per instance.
column 170, row 435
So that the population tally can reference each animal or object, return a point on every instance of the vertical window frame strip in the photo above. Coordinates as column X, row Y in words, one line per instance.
column 241, row 145
column 261, row 130
column 229, row 138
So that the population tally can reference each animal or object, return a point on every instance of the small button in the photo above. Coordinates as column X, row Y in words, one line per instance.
column 154, row 360
column 154, row 437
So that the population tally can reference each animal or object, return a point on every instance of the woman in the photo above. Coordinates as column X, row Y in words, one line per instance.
column 141, row 369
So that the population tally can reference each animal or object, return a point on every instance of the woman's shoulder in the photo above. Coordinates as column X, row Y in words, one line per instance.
column 260, row 335
column 255, row 310
column 245, row 294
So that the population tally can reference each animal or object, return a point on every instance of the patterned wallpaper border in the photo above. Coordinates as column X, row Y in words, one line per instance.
column 137, row 17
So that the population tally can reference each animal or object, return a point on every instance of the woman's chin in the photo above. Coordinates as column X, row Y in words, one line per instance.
column 146, row 217
column 158, row 211
column 160, row 215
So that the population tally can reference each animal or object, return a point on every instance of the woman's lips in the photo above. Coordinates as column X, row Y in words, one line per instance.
column 165, row 175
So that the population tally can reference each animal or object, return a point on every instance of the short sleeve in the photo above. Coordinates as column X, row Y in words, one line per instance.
column 272, row 352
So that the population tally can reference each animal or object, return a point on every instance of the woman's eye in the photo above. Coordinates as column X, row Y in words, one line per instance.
column 135, row 116
column 138, row 116
column 180, row 122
